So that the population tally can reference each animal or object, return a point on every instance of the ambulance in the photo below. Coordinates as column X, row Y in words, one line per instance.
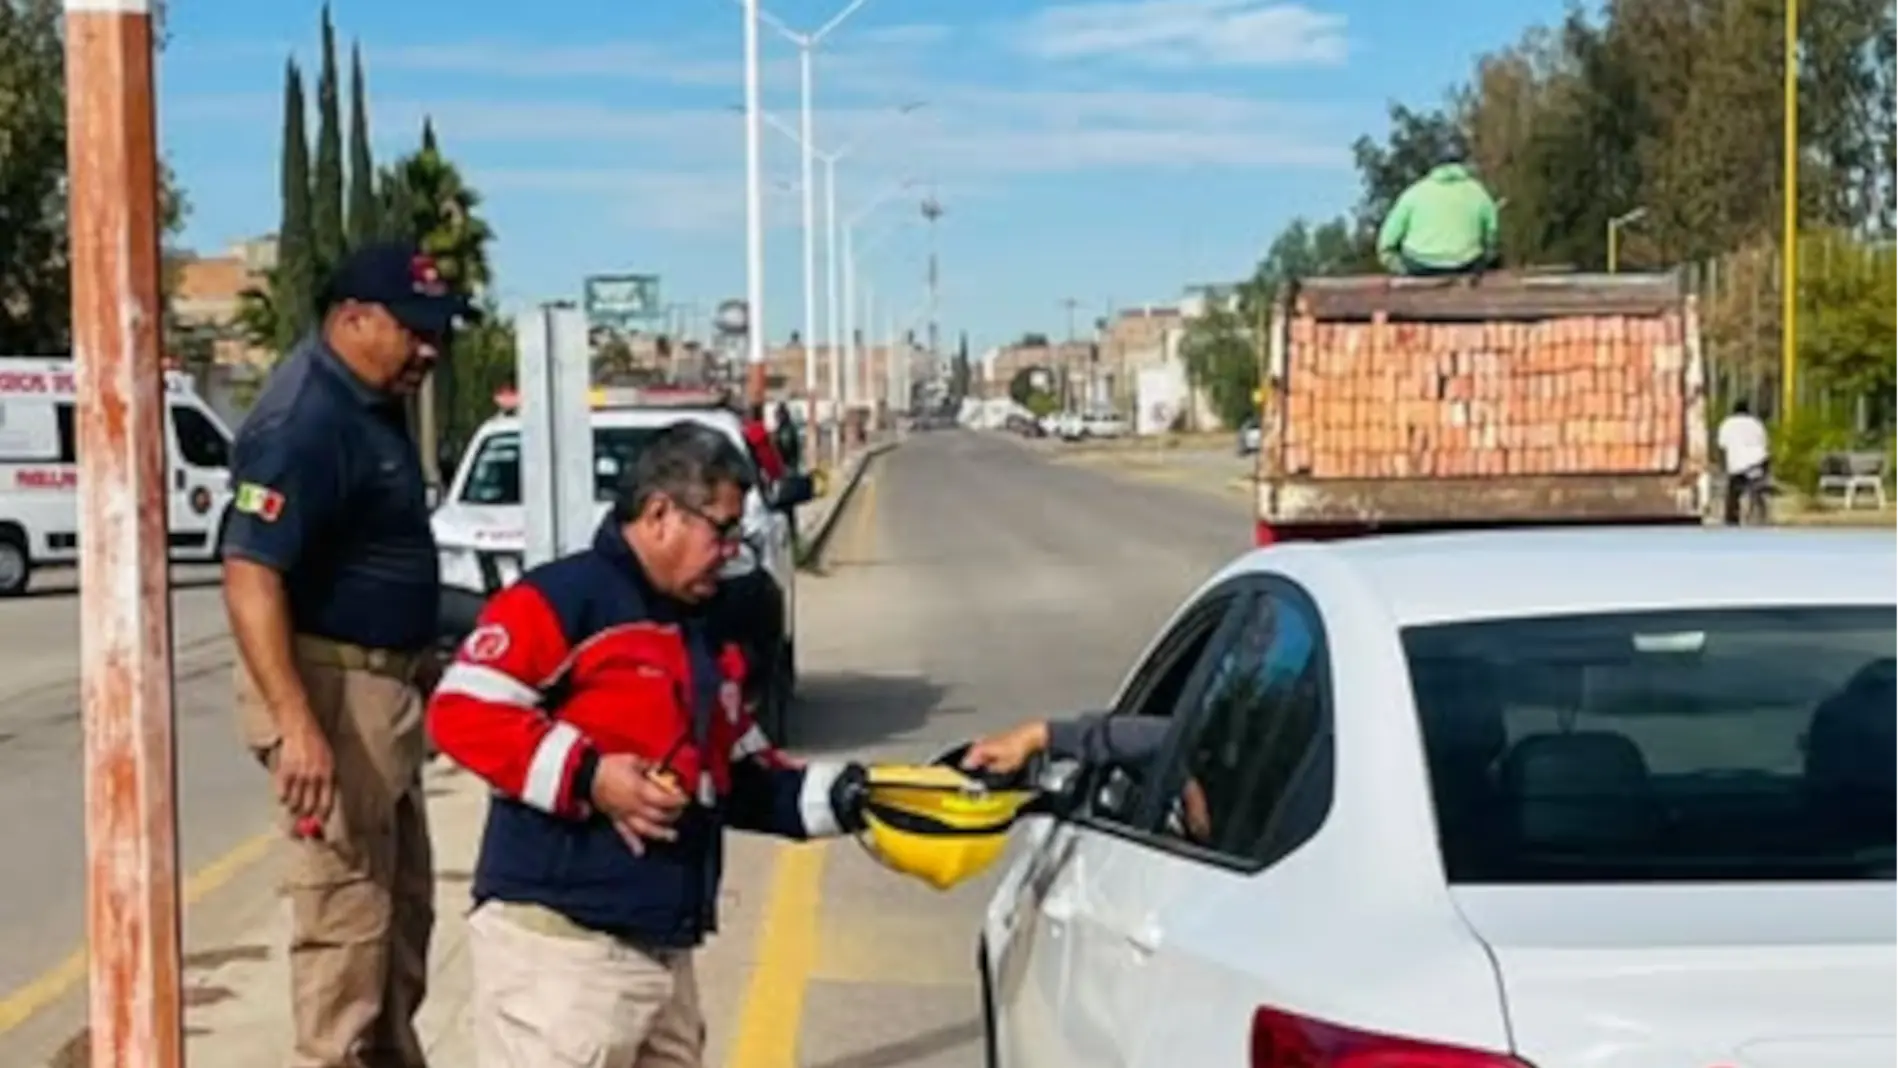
column 39, row 469
column 481, row 530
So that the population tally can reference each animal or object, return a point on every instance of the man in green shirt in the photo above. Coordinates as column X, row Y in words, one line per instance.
column 1444, row 223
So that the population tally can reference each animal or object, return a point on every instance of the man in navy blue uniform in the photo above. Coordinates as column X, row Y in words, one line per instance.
column 330, row 583
column 601, row 701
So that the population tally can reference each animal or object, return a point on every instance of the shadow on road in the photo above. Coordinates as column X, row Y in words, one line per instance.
column 897, row 1054
column 844, row 711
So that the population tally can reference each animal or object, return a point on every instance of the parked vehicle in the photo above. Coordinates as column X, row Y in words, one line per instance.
column 481, row 532
column 1247, row 438
column 1104, row 424
column 1616, row 798
column 39, row 469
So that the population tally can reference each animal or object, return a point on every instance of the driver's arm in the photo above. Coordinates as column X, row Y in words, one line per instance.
column 1105, row 739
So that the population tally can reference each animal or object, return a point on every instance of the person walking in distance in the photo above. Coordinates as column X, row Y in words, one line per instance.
column 1743, row 440
column 601, row 702
column 330, row 584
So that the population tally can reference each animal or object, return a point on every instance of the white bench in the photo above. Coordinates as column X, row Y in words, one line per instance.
column 1848, row 473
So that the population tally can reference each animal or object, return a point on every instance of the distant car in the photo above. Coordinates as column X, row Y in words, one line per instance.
column 1104, row 425
column 1611, row 799
column 481, row 534
column 1247, row 440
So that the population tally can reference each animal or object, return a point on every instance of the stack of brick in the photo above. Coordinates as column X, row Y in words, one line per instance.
column 1567, row 396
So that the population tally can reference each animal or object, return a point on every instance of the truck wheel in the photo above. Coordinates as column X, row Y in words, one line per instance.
column 15, row 566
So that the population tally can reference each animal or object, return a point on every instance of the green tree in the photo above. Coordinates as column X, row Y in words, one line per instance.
column 484, row 359
column 1847, row 317
column 960, row 369
column 1022, row 390
column 426, row 201
column 35, row 267
column 326, row 188
column 1221, row 347
column 363, row 221
column 291, row 305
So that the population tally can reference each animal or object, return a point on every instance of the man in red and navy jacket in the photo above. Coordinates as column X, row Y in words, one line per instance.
column 598, row 700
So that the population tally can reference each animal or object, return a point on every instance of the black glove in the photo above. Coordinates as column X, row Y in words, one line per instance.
column 848, row 793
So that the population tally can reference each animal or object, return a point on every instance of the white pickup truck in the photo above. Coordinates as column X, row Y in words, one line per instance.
column 481, row 532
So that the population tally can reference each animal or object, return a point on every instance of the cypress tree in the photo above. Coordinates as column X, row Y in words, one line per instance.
column 363, row 221
column 326, row 208
column 293, row 286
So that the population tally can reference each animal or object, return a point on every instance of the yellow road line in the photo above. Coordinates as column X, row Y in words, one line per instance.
column 773, row 1012
column 36, row 994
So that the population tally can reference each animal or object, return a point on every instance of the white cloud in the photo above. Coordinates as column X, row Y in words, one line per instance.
column 670, row 200
column 631, row 61
column 689, row 174
column 1179, row 33
column 679, row 167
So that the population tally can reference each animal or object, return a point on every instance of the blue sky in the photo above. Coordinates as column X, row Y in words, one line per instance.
column 1108, row 152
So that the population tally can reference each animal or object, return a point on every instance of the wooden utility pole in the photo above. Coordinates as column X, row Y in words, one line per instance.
column 132, row 924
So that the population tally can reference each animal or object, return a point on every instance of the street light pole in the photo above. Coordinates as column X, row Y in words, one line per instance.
column 831, row 160
column 851, row 274
column 809, row 196
column 1615, row 231
column 754, row 214
column 807, row 45
column 834, row 326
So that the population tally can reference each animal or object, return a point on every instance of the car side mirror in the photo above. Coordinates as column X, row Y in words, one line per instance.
column 1115, row 794
column 789, row 492
column 1058, row 789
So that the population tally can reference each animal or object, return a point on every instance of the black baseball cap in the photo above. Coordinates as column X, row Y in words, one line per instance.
column 404, row 279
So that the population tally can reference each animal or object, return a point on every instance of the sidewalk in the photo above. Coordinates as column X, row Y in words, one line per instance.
column 237, row 1011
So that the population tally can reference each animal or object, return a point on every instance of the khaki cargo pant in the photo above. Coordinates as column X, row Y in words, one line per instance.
column 362, row 899
column 549, row 994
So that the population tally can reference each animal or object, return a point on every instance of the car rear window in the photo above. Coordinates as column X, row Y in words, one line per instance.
column 1683, row 746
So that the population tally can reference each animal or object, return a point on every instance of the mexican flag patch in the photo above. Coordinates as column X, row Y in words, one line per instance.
column 261, row 501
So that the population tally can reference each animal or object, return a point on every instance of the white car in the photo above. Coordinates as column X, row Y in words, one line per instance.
column 1610, row 799
column 480, row 533
column 1104, row 425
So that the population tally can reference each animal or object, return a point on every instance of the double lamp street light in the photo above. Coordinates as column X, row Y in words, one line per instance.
column 810, row 154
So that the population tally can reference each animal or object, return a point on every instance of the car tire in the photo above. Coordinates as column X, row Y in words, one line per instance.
column 16, row 566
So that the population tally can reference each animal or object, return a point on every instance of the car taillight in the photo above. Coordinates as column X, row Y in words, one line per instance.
column 1284, row 1040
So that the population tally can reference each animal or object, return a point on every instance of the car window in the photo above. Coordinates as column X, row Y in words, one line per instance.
column 200, row 442
column 495, row 475
column 1253, row 776
column 1682, row 746
column 1156, row 690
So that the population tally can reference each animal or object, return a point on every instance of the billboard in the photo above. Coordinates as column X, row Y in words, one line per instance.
column 622, row 302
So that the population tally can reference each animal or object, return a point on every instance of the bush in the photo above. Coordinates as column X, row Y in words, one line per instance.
column 1796, row 446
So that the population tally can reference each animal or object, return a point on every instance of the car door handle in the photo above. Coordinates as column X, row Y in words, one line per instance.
column 1144, row 938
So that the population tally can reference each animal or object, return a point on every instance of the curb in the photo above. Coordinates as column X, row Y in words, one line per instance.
column 813, row 543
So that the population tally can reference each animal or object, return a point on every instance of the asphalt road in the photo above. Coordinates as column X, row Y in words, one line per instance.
column 42, row 844
column 974, row 583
